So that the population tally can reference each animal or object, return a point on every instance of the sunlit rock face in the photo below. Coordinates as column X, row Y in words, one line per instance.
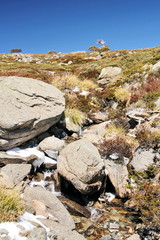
column 28, row 108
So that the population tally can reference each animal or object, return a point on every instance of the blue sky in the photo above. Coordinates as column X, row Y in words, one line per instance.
column 38, row 26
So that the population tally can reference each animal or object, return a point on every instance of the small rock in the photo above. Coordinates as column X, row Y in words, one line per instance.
column 142, row 159
column 106, row 237
column 52, row 143
column 156, row 67
column 134, row 237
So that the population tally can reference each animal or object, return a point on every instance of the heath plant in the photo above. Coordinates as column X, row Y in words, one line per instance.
column 11, row 205
column 147, row 136
column 147, row 197
column 117, row 140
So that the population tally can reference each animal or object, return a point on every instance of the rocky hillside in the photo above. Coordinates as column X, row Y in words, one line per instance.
column 79, row 145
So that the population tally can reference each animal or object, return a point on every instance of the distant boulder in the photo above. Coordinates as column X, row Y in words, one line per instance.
column 108, row 74
column 28, row 107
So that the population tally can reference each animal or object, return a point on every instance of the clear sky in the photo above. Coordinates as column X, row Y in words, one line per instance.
column 38, row 26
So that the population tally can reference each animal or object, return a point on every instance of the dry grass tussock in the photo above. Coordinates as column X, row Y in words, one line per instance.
column 70, row 81
column 75, row 116
column 11, row 206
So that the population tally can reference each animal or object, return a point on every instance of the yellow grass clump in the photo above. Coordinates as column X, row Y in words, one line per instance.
column 70, row 81
column 75, row 116
column 122, row 94
column 11, row 205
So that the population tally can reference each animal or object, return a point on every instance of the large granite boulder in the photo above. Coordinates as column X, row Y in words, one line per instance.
column 28, row 108
column 80, row 163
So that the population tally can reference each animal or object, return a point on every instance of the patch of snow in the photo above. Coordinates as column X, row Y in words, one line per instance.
column 30, row 217
column 133, row 183
column 41, row 183
column 49, row 160
column 110, row 196
column 114, row 156
column 24, row 225
column 47, row 174
column 84, row 93
column 27, row 153
column 106, row 171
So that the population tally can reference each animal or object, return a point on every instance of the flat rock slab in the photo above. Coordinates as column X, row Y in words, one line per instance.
column 53, row 204
column 28, row 108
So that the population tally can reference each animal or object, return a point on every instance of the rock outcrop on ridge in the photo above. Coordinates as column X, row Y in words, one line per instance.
column 28, row 107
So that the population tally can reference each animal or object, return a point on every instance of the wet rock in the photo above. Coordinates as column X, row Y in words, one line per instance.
column 13, row 174
column 143, row 158
column 74, row 207
column 43, row 136
column 80, row 163
column 54, row 206
column 30, row 108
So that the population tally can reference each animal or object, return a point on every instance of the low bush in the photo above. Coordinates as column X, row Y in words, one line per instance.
column 146, row 137
column 147, row 197
column 116, row 145
column 149, row 91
